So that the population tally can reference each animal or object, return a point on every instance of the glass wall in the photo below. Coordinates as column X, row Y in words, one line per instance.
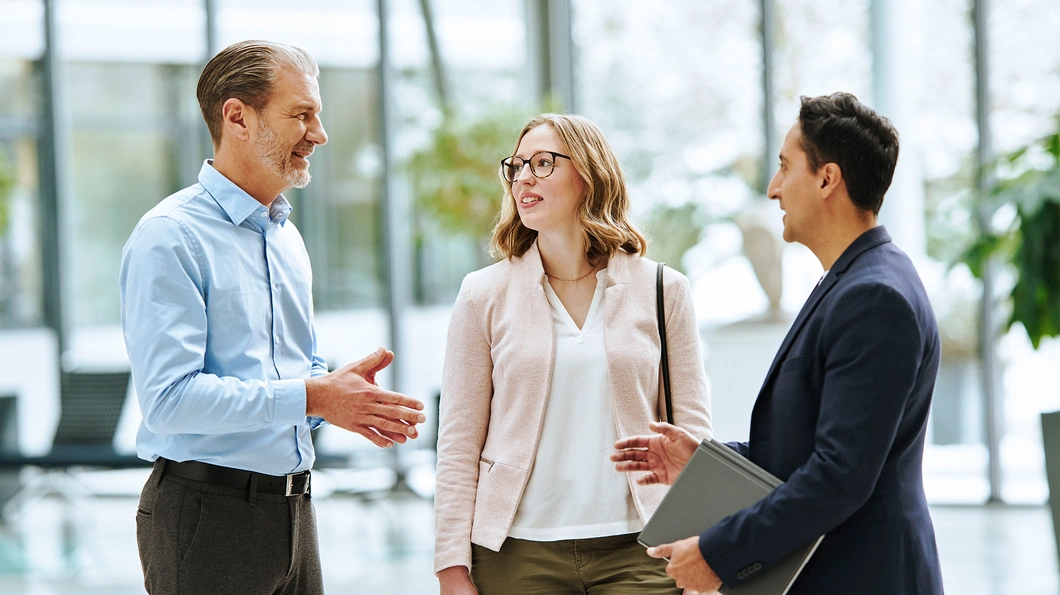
column 1024, row 62
column 678, row 91
column 338, row 213
column 936, row 76
column 125, row 89
column 676, row 87
column 820, row 47
column 21, row 46
column 447, row 147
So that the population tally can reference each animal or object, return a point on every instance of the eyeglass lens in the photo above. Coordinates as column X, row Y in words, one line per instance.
column 541, row 165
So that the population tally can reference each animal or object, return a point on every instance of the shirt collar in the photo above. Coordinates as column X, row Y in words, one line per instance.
column 237, row 204
column 279, row 210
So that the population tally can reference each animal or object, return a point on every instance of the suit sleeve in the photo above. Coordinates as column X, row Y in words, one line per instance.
column 688, row 380
column 742, row 448
column 463, row 419
column 871, row 350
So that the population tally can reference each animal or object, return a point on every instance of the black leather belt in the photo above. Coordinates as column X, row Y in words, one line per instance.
column 292, row 484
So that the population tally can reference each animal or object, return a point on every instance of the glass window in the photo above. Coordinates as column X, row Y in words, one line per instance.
column 122, row 167
column 22, row 29
column 21, row 296
column 482, row 47
column 338, row 213
column 21, row 43
column 124, row 89
column 1024, row 58
column 683, row 112
column 819, row 48
column 940, row 139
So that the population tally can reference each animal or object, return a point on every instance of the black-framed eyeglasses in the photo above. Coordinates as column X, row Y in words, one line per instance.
column 541, row 163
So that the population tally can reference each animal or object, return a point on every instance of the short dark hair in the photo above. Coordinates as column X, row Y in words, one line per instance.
column 839, row 129
column 246, row 71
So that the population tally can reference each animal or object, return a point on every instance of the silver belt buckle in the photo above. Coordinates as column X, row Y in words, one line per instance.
column 290, row 484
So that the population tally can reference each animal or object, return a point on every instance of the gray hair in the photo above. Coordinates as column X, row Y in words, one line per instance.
column 246, row 71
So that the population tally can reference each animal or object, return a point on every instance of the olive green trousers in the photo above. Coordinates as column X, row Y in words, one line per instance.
column 615, row 565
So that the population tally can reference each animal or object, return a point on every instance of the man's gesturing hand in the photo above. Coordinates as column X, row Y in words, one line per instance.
column 349, row 398
column 662, row 455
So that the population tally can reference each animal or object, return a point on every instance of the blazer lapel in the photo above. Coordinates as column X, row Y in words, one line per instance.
column 804, row 314
column 541, row 336
column 616, row 330
column 866, row 241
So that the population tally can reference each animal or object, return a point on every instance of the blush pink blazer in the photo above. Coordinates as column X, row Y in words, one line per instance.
column 498, row 366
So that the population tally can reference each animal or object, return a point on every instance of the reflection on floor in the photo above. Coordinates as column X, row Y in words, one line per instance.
column 382, row 546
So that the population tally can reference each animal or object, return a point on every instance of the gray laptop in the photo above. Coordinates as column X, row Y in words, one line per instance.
column 716, row 483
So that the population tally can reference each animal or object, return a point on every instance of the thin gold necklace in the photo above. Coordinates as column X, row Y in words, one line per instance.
column 551, row 276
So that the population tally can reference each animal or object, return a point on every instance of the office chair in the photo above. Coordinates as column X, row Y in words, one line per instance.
column 90, row 408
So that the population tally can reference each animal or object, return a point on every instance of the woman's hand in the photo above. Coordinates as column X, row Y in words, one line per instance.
column 455, row 580
column 663, row 455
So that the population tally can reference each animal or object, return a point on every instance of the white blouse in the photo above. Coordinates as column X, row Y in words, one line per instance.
column 574, row 491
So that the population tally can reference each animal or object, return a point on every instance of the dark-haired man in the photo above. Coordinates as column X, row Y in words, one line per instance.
column 217, row 311
column 842, row 414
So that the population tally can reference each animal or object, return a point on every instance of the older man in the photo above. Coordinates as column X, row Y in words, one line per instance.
column 217, row 311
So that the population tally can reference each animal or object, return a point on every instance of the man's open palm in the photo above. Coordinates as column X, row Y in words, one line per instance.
column 663, row 454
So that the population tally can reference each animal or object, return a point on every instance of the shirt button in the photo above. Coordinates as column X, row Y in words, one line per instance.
column 263, row 213
column 580, row 339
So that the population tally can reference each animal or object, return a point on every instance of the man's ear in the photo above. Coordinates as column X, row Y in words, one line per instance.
column 235, row 116
column 829, row 177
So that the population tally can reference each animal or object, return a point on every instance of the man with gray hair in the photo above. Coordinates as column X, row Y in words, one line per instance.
column 217, row 312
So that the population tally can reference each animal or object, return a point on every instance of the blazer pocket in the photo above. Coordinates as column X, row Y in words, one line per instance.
column 496, row 500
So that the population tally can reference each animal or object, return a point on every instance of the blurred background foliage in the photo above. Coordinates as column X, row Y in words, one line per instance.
column 1026, row 201
column 7, row 187
column 454, row 176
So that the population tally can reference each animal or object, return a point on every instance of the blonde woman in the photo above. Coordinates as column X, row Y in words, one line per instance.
column 553, row 354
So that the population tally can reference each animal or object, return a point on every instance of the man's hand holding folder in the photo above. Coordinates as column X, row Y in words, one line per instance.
column 663, row 455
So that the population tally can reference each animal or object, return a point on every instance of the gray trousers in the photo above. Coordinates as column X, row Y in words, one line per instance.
column 202, row 539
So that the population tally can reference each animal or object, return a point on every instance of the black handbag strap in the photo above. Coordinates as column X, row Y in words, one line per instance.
column 660, row 313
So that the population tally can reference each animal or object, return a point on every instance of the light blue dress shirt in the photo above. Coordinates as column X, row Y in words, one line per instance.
column 217, row 312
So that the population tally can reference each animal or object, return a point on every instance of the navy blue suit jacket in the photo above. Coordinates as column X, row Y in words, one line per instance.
column 841, row 418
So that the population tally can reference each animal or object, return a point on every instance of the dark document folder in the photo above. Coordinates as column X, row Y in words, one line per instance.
column 716, row 483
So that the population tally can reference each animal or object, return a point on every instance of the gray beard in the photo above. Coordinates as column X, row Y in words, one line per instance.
column 277, row 158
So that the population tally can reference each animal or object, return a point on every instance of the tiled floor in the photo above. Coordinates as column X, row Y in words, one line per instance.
column 383, row 547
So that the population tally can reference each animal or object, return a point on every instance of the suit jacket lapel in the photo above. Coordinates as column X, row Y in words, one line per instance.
column 819, row 292
column 866, row 241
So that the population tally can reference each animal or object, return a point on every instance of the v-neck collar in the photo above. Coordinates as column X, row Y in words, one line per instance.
column 590, row 316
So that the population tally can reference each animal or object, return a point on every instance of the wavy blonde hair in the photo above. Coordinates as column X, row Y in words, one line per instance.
column 604, row 212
